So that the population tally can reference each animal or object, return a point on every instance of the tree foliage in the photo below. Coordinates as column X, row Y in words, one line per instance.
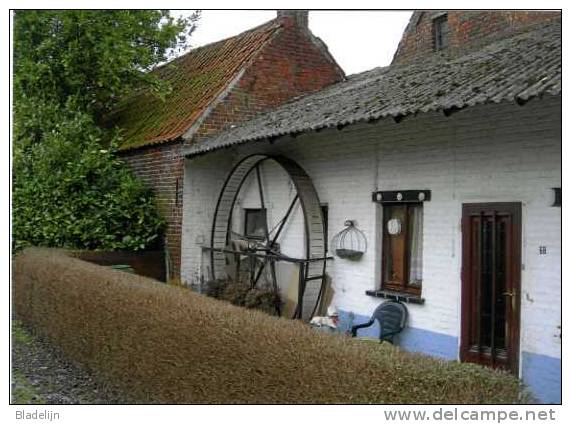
column 94, row 56
column 70, row 69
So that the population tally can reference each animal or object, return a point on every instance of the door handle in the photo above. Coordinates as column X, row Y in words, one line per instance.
column 511, row 294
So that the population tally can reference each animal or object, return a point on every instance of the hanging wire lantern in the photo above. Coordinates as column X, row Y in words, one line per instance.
column 349, row 243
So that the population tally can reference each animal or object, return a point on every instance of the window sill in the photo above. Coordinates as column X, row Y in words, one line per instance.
column 398, row 296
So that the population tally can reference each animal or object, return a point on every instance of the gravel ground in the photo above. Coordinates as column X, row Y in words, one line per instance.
column 42, row 375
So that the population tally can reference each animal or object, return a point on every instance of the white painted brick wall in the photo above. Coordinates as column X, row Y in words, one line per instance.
column 487, row 153
column 202, row 183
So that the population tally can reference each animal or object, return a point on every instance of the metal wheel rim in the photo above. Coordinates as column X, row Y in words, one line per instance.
column 315, row 248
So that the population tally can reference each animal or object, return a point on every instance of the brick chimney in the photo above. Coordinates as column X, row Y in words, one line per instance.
column 298, row 17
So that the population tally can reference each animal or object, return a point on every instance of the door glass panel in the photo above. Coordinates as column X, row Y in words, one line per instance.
column 486, row 284
column 474, row 276
column 501, row 299
column 491, row 252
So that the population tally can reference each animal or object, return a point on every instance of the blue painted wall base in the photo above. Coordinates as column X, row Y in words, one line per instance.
column 542, row 374
column 411, row 339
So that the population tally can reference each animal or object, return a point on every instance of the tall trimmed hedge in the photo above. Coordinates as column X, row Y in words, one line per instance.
column 169, row 345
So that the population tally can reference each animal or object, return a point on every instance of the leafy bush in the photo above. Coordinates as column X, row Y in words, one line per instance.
column 70, row 192
column 165, row 344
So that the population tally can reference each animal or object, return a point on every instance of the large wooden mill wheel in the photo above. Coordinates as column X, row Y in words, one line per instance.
column 311, row 264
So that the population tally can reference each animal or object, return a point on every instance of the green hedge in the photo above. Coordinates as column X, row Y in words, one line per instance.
column 170, row 345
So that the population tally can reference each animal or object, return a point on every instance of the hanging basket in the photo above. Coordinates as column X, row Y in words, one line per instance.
column 349, row 243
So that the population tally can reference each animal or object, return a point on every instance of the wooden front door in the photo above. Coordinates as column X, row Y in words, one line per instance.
column 491, row 263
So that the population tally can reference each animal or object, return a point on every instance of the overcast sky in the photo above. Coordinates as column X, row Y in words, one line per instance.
column 358, row 40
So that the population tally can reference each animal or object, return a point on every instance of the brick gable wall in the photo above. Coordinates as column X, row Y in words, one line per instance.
column 467, row 30
column 161, row 168
column 290, row 65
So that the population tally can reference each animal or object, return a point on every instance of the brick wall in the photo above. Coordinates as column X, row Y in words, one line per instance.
column 161, row 168
column 289, row 66
column 462, row 159
column 467, row 30
column 148, row 264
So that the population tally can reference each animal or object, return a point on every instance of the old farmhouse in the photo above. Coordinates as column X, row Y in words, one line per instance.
column 214, row 87
column 435, row 181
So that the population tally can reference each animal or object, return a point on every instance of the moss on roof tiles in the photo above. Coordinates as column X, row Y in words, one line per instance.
column 196, row 79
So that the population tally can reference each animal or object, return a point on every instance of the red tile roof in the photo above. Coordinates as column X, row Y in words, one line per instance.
column 197, row 78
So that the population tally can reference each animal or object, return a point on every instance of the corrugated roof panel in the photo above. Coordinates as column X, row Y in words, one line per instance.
column 515, row 69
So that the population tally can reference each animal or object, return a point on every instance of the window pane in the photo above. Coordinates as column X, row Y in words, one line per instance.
column 415, row 245
column 255, row 222
column 444, row 34
column 395, row 244
column 441, row 32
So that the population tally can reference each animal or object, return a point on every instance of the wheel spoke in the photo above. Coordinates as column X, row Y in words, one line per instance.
column 262, row 204
column 284, row 220
column 273, row 242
